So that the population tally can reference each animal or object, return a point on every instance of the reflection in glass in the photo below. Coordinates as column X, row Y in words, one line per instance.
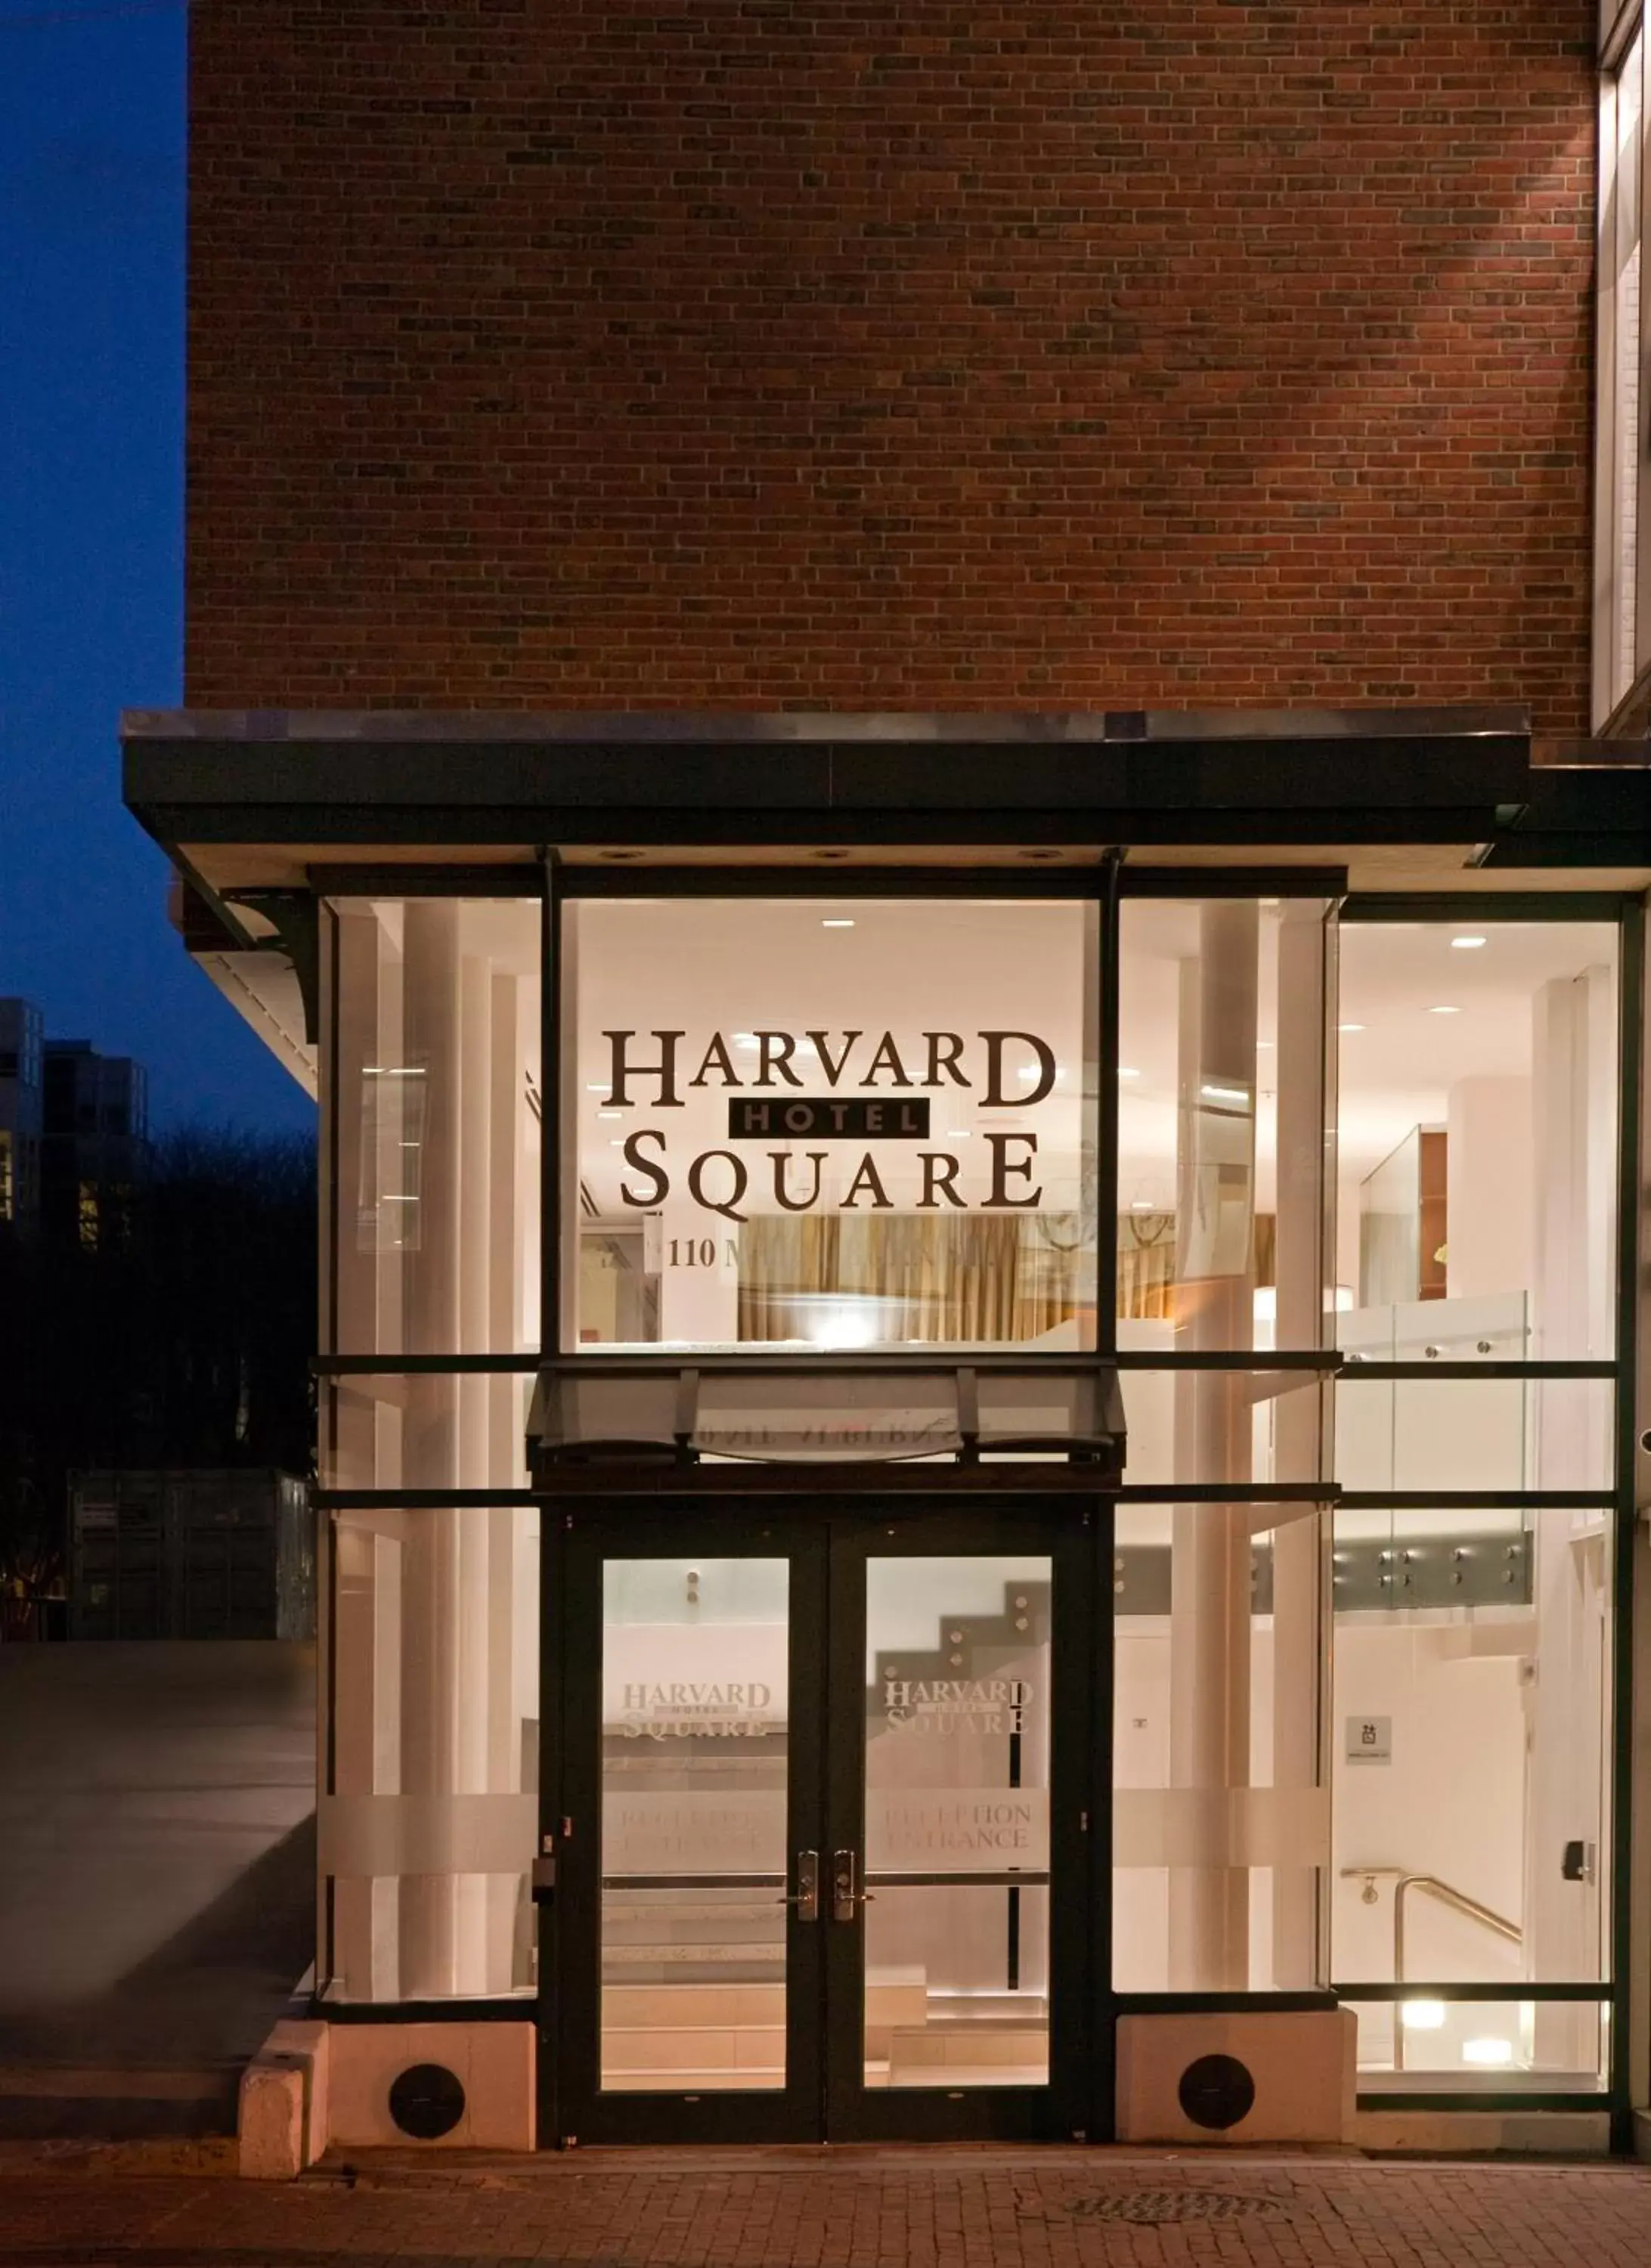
column 694, row 1715
column 956, row 1845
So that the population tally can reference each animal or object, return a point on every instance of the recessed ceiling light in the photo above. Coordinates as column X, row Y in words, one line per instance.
column 1264, row 1043
column 1350, row 1027
column 616, row 1144
column 1444, row 1009
column 837, row 921
column 610, row 1114
column 1140, row 1204
column 1468, row 944
column 1125, row 1072
column 957, row 1133
column 596, row 1086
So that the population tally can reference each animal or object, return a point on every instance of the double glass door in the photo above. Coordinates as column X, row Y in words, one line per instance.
column 823, row 1857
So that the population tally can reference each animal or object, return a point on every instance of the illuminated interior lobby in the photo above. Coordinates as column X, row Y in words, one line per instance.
column 977, row 1423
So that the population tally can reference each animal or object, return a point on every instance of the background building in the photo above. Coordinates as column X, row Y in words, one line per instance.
column 21, row 1113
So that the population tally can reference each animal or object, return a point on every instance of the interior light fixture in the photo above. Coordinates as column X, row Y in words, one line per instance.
column 1350, row 1027
column 1468, row 944
column 1125, row 1071
column 1444, row 1009
column 1487, row 2051
column 596, row 1086
column 1212, row 1094
column 1264, row 1043
column 1423, row 2015
column 610, row 1114
column 957, row 1133
column 836, row 920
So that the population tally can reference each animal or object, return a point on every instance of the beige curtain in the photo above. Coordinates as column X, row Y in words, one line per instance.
column 923, row 1278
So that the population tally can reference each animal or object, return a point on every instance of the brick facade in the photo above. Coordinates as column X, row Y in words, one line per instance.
column 757, row 353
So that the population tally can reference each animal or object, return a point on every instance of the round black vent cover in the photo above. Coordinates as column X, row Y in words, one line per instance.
column 1217, row 2091
column 427, row 2101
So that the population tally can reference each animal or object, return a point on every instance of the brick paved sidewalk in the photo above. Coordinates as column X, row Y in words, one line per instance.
column 850, row 2209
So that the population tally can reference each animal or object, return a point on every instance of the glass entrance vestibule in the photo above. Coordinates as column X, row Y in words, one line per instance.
column 918, row 1466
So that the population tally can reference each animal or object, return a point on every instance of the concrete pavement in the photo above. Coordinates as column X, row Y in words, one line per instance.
column 157, row 1877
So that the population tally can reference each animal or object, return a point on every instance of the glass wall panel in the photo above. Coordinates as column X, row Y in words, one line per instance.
column 801, row 1123
column 1224, row 1425
column 957, row 1832
column 1441, row 1433
column 435, row 1099
column 1471, row 1744
column 1221, row 1125
column 377, row 1429
column 1466, row 2047
column 428, row 1828
column 696, row 1707
column 1220, row 1816
column 1477, row 1145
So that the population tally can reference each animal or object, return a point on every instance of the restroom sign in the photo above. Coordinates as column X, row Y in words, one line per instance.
column 1369, row 1740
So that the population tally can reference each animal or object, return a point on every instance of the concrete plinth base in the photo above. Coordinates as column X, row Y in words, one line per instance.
column 1298, row 2069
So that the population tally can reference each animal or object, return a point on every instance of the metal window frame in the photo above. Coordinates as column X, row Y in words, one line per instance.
column 1107, row 884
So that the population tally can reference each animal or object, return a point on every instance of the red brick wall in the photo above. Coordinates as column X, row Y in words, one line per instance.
column 890, row 353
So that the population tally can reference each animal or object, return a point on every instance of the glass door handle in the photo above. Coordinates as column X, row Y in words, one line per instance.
column 847, row 1897
column 806, row 1897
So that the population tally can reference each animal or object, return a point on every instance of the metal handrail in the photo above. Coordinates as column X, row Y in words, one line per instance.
column 1448, row 1895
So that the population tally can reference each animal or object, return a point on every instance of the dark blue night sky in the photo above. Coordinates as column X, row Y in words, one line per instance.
column 91, row 211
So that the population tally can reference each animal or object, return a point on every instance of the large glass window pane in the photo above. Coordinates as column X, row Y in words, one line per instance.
column 957, row 1779
column 1465, row 2047
column 696, row 1707
column 435, row 1098
column 1470, row 1736
column 428, row 1830
column 1477, row 1144
column 1221, row 1816
column 1222, row 1141
column 802, row 1124
column 379, row 1431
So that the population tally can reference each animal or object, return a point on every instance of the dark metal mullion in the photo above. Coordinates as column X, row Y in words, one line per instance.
column 417, row 1366
column 1631, row 1073
column 406, row 1499
column 1537, row 906
column 1140, row 881
column 1108, row 976
column 550, row 1110
column 1352, row 1373
column 828, row 882
column 1101, row 2081
column 1476, row 1500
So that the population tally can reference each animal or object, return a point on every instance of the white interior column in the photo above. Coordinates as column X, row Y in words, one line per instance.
column 430, row 1966
column 1488, row 1194
column 1210, row 1599
column 506, row 1231
column 366, row 1682
column 1297, row 1633
column 1573, row 1054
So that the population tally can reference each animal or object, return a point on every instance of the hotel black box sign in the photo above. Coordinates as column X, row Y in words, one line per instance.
column 902, row 1120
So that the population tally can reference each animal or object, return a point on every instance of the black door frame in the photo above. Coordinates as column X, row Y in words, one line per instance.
column 828, row 1541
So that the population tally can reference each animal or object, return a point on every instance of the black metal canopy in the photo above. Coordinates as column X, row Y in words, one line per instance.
column 1418, row 775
